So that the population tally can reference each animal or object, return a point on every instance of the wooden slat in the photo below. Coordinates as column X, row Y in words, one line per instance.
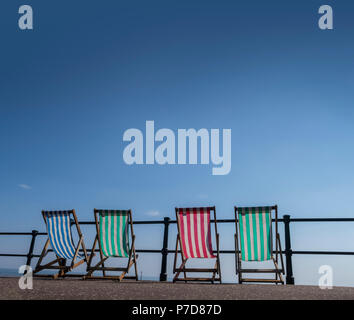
column 108, row 278
column 259, row 270
column 55, row 268
column 197, row 279
column 107, row 269
column 195, row 270
column 262, row 280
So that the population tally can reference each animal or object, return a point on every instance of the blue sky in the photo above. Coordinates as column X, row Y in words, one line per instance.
column 89, row 71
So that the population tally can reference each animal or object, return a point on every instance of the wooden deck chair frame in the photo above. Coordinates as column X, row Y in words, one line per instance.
column 62, row 264
column 100, row 265
column 183, row 269
column 275, row 255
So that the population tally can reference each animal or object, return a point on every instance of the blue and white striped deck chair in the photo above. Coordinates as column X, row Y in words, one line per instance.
column 60, row 238
column 254, row 242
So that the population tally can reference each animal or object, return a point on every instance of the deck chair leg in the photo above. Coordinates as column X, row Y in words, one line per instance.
column 103, row 259
column 92, row 254
column 184, row 261
column 175, row 257
column 278, row 272
column 135, row 257
column 76, row 253
column 126, row 271
column 237, row 260
column 181, row 267
column 217, row 268
column 92, row 269
column 236, row 253
column 276, row 268
column 43, row 254
column 177, row 274
column 88, row 268
column 185, row 273
column 122, row 276
column 48, row 264
column 61, row 273
column 237, row 250
column 129, row 264
column 132, row 261
column 239, row 270
column 62, row 263
column 219, row 271
column 281, row 271
column 281, row 255
column 218, row 257
column 175, row 261
column 214, row 273
column 77, row 264
column 136, row 270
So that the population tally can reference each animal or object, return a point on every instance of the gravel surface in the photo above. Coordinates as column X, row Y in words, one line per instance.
column 74, row 289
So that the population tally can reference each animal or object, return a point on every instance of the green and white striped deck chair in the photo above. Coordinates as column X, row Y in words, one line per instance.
column 113, row 241
column 254, row 242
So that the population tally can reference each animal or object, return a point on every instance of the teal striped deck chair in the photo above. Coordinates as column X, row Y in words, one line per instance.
column 114, row 235
column 59, row 229
column 254, row 242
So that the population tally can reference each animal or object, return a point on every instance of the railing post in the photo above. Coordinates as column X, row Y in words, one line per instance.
column 164, row 250
column 30, row 251
column 288, row 251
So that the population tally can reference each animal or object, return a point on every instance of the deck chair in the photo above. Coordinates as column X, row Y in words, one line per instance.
column 254, row 242
column 194, row 241
column 113, row 241
column 58, row 224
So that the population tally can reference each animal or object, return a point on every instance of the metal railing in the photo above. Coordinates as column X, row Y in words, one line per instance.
column 164, row 251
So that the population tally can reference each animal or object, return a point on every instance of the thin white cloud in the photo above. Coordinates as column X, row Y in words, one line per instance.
column 25, row 186
column 153, row 213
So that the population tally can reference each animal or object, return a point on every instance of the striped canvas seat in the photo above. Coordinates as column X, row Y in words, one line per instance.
column 59, row 233
column 195, row 233
column 114, row 232
column 255, row 226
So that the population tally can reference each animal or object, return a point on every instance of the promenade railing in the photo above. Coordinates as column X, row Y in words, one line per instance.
column 164, row 251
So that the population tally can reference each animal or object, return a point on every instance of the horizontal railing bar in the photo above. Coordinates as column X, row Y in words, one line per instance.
column 321, row 220
column 16, row 233
column 134, row 222
column 21, row 234
column 344, row 253
column 12, row 255
column 220, row 251
column 174, row 221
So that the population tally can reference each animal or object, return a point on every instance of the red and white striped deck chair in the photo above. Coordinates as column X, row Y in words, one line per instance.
column 194, row 241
